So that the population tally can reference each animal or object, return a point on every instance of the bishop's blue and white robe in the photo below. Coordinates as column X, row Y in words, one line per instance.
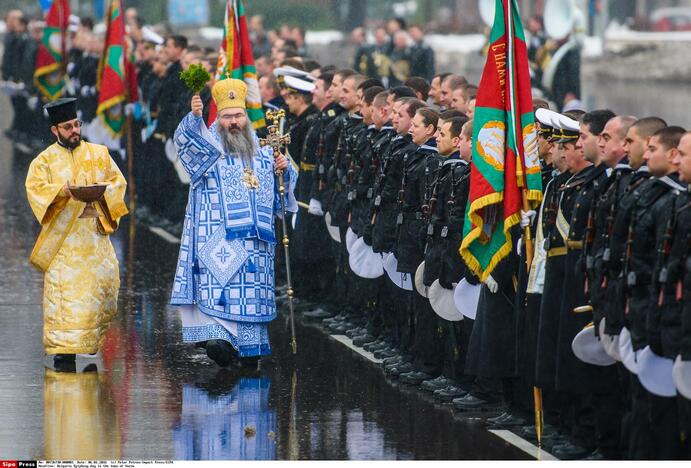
column 224, row 280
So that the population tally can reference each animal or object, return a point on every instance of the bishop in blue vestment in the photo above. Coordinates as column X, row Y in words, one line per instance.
column 224, row 280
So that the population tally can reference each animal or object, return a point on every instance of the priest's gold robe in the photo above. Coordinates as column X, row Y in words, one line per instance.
column 81, row 277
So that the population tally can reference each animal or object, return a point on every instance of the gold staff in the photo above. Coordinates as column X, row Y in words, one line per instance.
column 275, row 140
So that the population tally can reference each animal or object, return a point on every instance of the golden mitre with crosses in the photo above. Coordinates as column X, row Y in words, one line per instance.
column 229, row 93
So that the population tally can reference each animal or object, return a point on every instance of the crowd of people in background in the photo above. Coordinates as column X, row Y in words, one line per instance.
column 383, row 149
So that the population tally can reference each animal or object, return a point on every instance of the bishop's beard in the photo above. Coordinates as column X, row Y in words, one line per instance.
column 238, row 142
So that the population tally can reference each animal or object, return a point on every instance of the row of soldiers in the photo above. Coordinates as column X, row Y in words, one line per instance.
column 389, row 175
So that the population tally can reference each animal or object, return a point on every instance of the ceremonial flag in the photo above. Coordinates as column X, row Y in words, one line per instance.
column 51, row 59
column 505, row 170
column 235, row 60
column 117, row 79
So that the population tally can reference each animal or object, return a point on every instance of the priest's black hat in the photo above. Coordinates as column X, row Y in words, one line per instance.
column 61, row 110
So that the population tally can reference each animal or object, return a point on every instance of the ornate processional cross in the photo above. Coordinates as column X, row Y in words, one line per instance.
column 274, row 139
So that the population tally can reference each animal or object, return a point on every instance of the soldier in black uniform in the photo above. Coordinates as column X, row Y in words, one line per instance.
column 420, row 169
column 681, row 251
column 384, row 228
column 302, row 115
column 530, row 283
column 656, row 325
column 312, row 243
column 442, row 260
column 610, row 305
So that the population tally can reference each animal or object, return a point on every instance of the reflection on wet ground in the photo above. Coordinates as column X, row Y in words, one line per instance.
column 149, row 396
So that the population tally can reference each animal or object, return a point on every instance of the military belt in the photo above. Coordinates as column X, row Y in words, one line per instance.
column 307, row 166
column 574, row 245
column 556, row 252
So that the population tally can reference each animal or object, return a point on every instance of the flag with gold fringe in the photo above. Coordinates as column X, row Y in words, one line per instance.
column 51, row 58
column 235, row 60
column 117, row 79
column 505, row 168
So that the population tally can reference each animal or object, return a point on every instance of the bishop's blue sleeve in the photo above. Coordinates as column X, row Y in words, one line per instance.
column 195, row 148
column 290, row 179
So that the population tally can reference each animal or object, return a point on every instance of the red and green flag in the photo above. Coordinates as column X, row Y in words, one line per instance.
column 505, row 166
column 51, row 59
column 117, row 78
column 235, row 60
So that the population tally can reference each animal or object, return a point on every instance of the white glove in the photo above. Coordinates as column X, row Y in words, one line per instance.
column 527, row 218
column 129, row 109
column 492, row 285
column 32, row 102
column 519, row 246
column 315, row 208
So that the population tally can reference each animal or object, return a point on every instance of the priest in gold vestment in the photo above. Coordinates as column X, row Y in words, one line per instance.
column 81, row 277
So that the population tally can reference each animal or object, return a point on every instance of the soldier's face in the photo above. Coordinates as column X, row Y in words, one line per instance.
column 659, row 158
column 634, row 146
column 335, row 89
column 465, row 146
column 573, row 156
column 611, row 143
column 349, row 99
column 458, row 100
column 419, row 131
column 544, row 147
column 404, row 120
column 445, row 142
column 588, row 141
column 394, row 115
column 683, row 159
column 470, row 111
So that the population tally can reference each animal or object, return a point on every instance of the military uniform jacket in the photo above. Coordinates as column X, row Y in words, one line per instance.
column 445, row 227
column 648, row 224
column 359, row 176
column 173, row 101
column 613, row 303
column 682, row 249
column 316, row 143
column 602, row 215
column 298, row 126
column 385, row 203
column 663, row 324
column 572, row 374
column 420, row 169
column 334, row 135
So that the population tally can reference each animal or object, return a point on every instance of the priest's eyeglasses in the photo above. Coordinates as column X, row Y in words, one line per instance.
column 71, row 125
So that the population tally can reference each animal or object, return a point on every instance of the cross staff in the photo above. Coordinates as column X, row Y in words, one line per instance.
column 275, row 140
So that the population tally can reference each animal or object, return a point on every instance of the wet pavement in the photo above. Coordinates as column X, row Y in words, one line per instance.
column 153, row 397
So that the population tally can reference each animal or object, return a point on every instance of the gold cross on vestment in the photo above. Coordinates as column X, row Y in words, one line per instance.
column 274, row 139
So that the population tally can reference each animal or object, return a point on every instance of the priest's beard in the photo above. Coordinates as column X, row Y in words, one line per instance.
column 238, row 141
column 70, row 143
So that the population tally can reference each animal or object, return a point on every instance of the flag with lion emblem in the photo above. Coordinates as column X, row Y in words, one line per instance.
column 505, row 160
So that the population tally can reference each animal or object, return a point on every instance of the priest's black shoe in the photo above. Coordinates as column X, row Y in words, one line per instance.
column 220, row 351
column 570, row 451
column 65, row 363
column 471, row 402
column 450, row 393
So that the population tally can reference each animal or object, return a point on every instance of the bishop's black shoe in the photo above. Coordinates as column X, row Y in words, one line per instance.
column 220, row 351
